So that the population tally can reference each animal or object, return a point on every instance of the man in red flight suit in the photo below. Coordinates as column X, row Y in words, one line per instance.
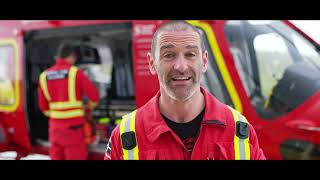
column 60, row 90
column 183, row 121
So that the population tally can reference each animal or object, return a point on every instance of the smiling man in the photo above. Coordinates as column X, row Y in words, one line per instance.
column 182, row 121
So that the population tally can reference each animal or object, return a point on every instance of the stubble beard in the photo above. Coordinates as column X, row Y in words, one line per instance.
column 180, row 94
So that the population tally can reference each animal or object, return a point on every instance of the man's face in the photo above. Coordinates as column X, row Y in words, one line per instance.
column 179, row 63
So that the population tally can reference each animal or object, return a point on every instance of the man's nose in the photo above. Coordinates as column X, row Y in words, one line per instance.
column 181, row 64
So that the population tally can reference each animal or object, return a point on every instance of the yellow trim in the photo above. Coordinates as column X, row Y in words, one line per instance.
column 66, row 114
column 237, row 139
column 65, row 105
column 14, row 44
column 72, row 84
column 132, row 128
column 46, row 113
column 220, row 62
column 122, row 125
column 246, row 143
column 44, row 87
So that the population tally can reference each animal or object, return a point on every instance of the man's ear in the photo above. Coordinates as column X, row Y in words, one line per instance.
column 205, row 58
column 151, row 64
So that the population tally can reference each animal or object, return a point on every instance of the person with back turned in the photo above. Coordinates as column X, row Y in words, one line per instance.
column 60, row 92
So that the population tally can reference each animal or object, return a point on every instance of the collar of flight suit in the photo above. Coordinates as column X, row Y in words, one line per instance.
column 154, row 125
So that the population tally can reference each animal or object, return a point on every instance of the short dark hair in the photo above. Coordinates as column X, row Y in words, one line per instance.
column 66, row 49
column 176, row 25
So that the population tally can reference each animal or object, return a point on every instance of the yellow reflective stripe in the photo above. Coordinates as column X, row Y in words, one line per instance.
column 241, row 146
column 65, row 105
column 66, row 114
column 72, row 83
column 133, row 128
column 127, row 125
column 46, row 113
column 246, row 142
column 236, row 138
column 123, row 123
column 44, row 87
column 220, row 62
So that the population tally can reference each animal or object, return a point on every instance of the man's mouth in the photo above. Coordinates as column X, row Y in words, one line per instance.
column 184, row 78
column 181, row 80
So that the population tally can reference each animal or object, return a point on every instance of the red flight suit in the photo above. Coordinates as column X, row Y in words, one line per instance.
column 217, row 138
column 66, row 113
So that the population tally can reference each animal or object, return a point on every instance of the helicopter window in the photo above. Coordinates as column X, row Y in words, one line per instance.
column 272, row 61
column 7, row 85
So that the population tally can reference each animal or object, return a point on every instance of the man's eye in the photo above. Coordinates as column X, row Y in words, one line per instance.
column 190, row 55
column 169, row 55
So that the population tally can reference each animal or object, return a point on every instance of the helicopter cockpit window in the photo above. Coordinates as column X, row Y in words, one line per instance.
column 273, row 58
column 7, row 97
column 278, row 67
